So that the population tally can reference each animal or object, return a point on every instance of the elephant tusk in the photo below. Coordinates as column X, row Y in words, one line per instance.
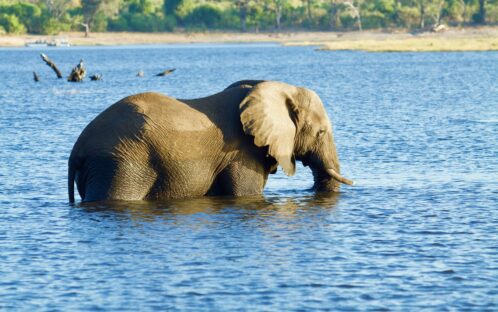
column 338, row 177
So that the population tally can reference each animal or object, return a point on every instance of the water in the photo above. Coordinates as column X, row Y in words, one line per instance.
column 418, row 132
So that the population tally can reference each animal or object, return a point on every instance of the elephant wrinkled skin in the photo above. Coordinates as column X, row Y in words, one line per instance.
column 151, row 147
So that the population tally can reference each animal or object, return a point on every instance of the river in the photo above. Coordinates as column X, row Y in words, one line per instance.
column 417, row 132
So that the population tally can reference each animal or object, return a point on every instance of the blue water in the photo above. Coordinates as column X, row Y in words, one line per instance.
column 418, row 132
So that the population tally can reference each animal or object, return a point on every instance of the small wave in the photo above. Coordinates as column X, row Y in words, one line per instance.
column 492, row 120
column 63, row 92
column 487, row 120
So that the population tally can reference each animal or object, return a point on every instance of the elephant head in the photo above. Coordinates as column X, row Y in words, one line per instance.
column 293, row 124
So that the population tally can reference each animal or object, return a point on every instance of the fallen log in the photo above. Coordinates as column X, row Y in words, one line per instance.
column 166, row 72
column 51, row 65
column 439, row 28
column 78, row 73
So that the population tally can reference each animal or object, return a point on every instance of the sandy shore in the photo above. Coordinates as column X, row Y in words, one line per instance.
column 468, row 39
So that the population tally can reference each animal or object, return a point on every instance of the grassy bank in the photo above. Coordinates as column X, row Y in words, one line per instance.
column 134, row 38
column 417, row 45
column 469, row 39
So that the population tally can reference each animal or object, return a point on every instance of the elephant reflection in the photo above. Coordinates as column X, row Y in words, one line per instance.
column 256, row 205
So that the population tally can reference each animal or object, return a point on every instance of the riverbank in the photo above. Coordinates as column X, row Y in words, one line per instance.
column 453, row 39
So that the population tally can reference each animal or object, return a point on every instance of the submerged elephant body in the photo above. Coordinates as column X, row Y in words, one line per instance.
column 150, row 147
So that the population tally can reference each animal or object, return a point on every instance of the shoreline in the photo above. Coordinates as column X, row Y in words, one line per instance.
column 453, row 39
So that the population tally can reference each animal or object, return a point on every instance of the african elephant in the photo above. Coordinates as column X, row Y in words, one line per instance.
column 150, row 146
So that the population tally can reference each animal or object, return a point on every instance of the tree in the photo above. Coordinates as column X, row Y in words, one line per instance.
column 438, row 11
column 334, row 10
column 396, row 13
column 243, row 7
column 11, row 24
column 354, row 7
column 465, row 11
column 28, row 14
column 91, row 8
column 170, row 6
column 422, row 6
column 57, row 8
column 309, row 15
column 277, row 6
column 480, row 16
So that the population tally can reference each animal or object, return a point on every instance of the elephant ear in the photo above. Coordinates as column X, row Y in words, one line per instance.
column 269, row 114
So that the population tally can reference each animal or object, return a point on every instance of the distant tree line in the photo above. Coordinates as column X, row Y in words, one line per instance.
column 53, row 16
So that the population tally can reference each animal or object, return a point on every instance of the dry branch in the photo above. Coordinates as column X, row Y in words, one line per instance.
column 166, row 72
column 51, row 65
column 78, row 73
column 96, row 77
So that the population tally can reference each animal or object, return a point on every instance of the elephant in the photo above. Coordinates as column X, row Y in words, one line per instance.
column 150, row 146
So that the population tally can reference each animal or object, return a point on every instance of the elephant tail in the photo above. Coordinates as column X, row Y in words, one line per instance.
column 70, row 180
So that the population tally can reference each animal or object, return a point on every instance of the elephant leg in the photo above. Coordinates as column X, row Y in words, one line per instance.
column 240, row 179
column 105, row 178
column 94, row 179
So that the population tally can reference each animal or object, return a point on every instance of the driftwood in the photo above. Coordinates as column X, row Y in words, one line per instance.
column 439, row 28
column 140, row 73
column 78, row 73
column 51, row 64
column 166, row 72
column 36, row 77
column 96, row 77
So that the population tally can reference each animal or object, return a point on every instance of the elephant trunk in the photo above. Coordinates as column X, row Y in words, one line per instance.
column 326, row 171
column 329, row 180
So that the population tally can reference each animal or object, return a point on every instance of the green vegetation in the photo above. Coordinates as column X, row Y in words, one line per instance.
column 53, row 16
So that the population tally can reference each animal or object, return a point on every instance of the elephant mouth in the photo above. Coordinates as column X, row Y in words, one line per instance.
column 325, row 176
column 329, row 181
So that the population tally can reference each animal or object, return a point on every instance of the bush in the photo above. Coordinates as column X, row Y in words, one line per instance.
column 99, row 22
column 53, row 26
column 139, row 15
column 386, row 7
column 169, row 23
column 257, row 19
column 492, row 14
column 409, row 17
column 28, row 14
column 372, row 20
column 230, row 20
column 118, row 24
column 183, row 9
column 11, row 24
column 204, row 16
column 146, row 23
column 348, row 22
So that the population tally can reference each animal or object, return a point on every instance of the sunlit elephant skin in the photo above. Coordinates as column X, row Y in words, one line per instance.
column 152, row 147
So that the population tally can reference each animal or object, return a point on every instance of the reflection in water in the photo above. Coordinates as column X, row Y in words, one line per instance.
column 259, row 205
